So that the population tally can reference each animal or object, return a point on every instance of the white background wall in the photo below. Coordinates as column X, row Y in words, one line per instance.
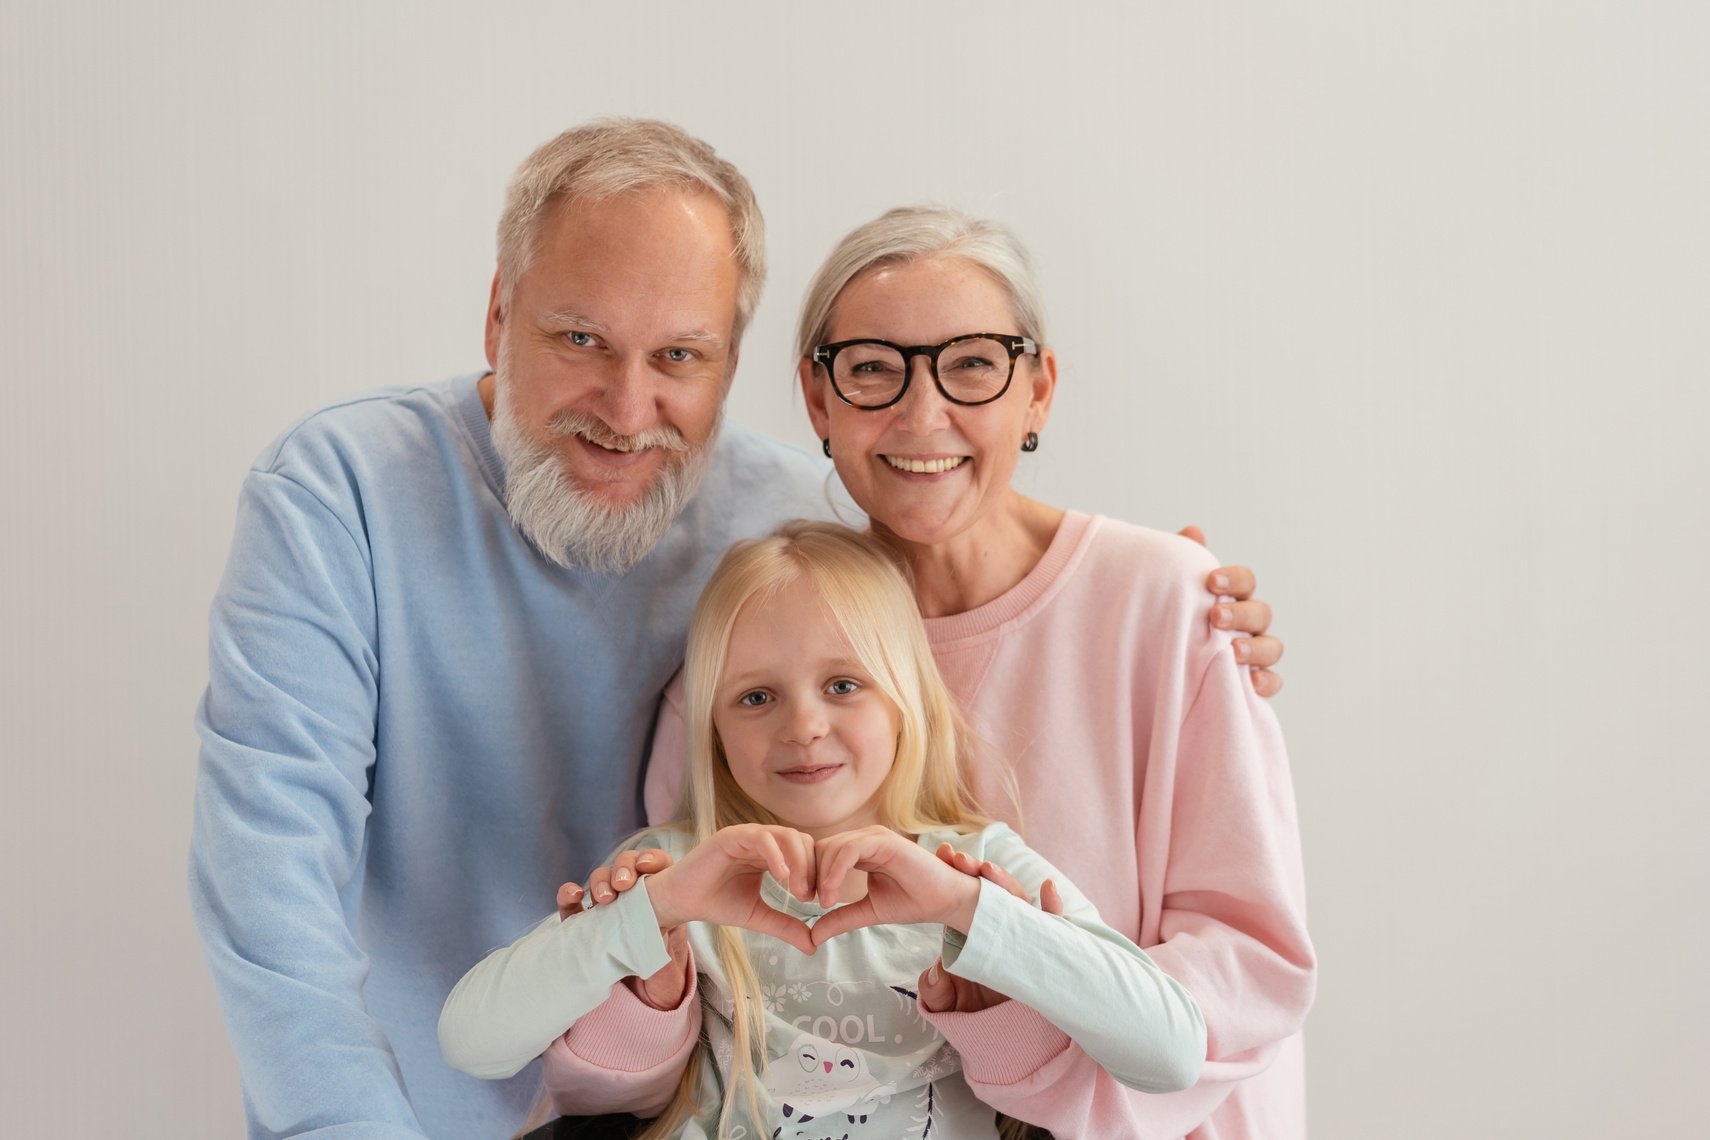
column 1404, row 303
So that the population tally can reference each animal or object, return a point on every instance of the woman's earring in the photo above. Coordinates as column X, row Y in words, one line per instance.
column 825, row 444
column 1029, row 442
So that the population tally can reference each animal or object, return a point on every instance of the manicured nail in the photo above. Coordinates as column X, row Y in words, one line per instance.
column 1221, row 616
column 1220, row 583
column 1243, row 650
column 621, row 876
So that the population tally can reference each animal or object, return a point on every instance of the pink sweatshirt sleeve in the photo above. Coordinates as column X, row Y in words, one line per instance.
column 1015, row 1060
column 623, row 1055
column 1232, row 929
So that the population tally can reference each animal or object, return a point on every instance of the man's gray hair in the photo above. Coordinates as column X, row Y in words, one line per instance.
column 608, row 157
column 910, row 232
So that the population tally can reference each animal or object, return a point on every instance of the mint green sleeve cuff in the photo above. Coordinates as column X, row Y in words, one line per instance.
column 518, row 1000
column 1092, row 983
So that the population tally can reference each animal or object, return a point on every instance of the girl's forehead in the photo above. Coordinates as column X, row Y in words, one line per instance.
column 791, row 624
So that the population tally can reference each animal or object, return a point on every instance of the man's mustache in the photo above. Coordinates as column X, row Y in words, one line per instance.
column 595, row 430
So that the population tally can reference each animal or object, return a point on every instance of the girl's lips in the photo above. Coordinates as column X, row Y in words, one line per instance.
column 810, row 774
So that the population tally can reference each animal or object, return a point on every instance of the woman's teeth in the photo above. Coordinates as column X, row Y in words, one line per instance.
column 926, row 466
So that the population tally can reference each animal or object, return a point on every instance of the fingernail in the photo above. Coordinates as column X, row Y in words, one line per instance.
column 1243, row 650
column 604, row 894
column 932, row 975
column 1221, row 617
column 620, row 876
column 1220, row 583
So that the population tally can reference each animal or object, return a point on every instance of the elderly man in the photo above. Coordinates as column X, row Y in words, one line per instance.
column 448, row 615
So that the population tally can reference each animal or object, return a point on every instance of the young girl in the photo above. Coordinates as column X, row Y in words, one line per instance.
column 765, row 985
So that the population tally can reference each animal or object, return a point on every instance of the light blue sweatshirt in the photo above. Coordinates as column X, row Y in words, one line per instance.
column 415, row 728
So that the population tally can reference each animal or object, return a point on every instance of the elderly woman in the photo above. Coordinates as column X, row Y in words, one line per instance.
column 1146, row 767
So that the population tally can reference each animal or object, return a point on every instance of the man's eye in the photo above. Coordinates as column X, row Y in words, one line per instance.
column 754, row 700
column 679, row 355
column 581, row 339
column 843, row 687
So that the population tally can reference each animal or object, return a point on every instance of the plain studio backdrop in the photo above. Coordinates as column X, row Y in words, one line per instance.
column 1405, row 304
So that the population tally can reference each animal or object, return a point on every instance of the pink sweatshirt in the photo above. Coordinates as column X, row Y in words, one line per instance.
column 1156, row 779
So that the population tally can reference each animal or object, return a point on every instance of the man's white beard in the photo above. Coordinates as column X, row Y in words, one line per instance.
column 567, row 524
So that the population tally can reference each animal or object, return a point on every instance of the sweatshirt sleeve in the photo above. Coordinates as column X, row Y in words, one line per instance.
column 287, row 730
column 624, row 1055
column 515, row 1002
column 1080, row 992
column 1232, row 923
column 1232, row 927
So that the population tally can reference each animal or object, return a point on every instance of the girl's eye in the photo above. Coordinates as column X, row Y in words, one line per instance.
column 754, row 700
column 842, row 687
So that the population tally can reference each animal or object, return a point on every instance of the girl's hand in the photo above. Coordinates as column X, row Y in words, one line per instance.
column 905, row 884
column 719, row 881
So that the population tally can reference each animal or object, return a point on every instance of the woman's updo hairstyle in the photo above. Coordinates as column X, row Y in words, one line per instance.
column 910, row 232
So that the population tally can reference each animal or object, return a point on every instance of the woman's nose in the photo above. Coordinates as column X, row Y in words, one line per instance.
column 922, row 408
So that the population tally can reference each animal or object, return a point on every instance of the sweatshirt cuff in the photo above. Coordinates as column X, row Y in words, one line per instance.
column 1002, row 1045
column 626, row 1034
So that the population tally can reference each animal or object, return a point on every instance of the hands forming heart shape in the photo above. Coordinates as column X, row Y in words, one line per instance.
column 719, row 881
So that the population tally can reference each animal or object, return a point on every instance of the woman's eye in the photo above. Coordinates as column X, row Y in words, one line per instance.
column 842, row 687
column 753, row 700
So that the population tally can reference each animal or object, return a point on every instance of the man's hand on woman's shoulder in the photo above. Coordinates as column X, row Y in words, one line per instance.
column 1244, row 613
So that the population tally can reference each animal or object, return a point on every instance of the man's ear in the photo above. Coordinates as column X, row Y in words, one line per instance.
column 814, row 394
column 495, row 323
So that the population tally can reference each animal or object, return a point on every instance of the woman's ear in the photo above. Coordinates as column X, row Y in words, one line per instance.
column 1044, row 387
column 814, row 393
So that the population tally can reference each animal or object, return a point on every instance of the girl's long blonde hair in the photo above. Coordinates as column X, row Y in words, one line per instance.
column 865, row 589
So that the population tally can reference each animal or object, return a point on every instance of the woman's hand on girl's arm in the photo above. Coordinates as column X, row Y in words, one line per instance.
column 905, row 884
column 664, row 990
column 719, row 882
column 1244, row 614
column 1049, row 900
column 607, row 883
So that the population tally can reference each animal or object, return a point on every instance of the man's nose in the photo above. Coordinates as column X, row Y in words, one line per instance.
column 626, row 398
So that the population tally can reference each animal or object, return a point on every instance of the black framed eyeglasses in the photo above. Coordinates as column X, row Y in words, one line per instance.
column 970, row 370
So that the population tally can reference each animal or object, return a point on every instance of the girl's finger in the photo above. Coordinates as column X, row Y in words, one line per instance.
column 600, row 886
column 1049, row 900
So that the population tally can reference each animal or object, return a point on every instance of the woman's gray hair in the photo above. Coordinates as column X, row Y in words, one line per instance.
column 910, row 232
column 608, row 157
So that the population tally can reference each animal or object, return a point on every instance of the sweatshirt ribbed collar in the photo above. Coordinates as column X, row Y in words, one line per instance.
column 1025, row 597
